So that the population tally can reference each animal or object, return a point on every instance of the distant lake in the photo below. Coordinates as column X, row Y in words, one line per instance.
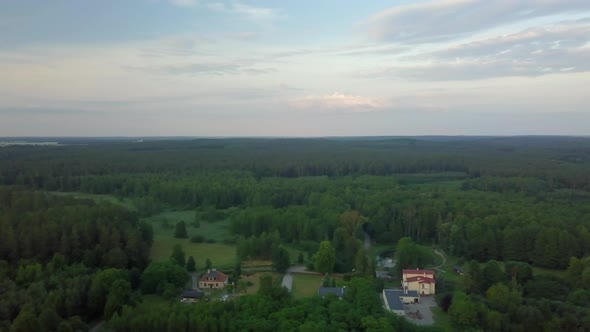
column 10, row 143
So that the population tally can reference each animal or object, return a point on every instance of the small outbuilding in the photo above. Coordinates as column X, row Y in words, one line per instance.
column 336, row 291
column 191, row 296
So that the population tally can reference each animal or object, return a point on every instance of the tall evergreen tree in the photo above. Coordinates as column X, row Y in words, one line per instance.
column 180, row 230
column 178, row 255
column 191, row 265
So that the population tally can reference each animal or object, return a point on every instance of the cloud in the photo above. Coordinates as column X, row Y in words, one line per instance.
column 177, row 46
column 245, row 35
column 562, row 36
column 531, row 52
column 338, row 102
column 184, row 3
column 206, row 68
column 247, row 11
column 447, row 19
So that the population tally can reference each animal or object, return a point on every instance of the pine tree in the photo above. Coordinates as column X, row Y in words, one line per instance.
column 180, row 230
column 191, row 264
column 178, row 255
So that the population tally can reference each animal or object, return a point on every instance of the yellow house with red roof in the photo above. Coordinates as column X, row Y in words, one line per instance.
column 421, row 281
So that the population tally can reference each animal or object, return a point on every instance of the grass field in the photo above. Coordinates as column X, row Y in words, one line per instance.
column 254, row 278
column 126, row 203
column 441, row 319
column 306, row 285
column 223, row 256
column 216, row 230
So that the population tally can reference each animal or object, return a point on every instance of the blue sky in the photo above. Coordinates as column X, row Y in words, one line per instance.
column 294, row 68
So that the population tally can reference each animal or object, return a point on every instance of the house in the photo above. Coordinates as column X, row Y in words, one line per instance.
column 191, row 296
column 421, row 281
column 395, row 299
column 337, row 291
column 213, row 279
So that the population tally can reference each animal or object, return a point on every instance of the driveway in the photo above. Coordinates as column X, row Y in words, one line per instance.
column 288, row 280
column 426, row 302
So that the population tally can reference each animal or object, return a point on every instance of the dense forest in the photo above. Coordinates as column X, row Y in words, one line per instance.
column 509, row 210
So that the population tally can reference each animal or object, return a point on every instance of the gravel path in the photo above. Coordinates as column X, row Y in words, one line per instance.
column 288, row 280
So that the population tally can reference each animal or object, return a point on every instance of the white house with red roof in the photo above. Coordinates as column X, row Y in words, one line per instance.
column 213, row 279
column 421, row 281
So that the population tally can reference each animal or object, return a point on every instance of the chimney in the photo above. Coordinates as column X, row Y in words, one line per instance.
column 214, row 270
column 208, row 271
column 406, row 290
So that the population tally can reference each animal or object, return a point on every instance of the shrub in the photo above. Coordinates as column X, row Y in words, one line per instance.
column 197, row 239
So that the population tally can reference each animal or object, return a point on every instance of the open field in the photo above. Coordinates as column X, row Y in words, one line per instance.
column 441, row 319
column 126, row 203
column 215, row 230
column 306, row 285
column 223, row 256
column 254, row 278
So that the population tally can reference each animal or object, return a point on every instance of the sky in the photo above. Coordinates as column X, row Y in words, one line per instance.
column 294, row 67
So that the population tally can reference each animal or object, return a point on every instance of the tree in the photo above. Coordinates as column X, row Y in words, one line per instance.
column 280, row 259
column 325, row 258
column 352, row 222
column 463, row 312
column 409, row 255
column 265, row 287
column 178, row 255
column 300, row 258
column 491, row 274
column 116, row 258
column 100, row 287
column 180, row 230
column 191, row 264
column 49, row 319
column 208, row 264
column 26, row 320
column 362, row 262
column 118, row 296
column 503, row 299
column 159, row 274
column 237, row 270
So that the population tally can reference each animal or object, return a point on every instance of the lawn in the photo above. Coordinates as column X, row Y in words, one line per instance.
column 223, row 256
column 254, row 278
column 215, row 230
column 441, row 319
column 306, row 285
column 126, row 203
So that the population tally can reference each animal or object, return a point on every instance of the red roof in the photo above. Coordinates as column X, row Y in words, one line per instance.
column 216, row 275
column 418, row 272
column 422, row 280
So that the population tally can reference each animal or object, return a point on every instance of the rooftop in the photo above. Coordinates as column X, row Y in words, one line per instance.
column 192, row 294
column 411, row 271
column 392, row 296
column 216, row 275
column 338, row 291
column 421, row 279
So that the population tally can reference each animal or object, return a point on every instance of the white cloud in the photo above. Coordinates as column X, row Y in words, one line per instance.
column 447, row 19
column 247, row 11
column 532, row 52
column 338, row 101
column 184, row 3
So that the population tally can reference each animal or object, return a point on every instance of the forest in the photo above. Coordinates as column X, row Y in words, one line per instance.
column 513, row 212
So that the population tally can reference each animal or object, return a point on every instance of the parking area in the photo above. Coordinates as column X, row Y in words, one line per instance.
column 420, row 313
